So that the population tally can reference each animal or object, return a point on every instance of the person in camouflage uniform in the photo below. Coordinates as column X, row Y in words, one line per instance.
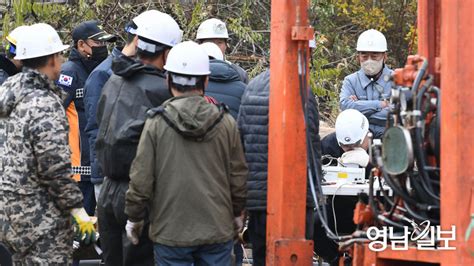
column 36, row 185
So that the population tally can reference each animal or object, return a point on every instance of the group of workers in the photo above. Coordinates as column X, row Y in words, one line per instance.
column 162, row 139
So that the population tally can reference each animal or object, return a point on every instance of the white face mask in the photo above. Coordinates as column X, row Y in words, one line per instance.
column 372, row 67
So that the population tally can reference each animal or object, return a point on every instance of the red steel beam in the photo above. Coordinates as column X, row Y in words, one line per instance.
column 457, row 125
column 286, row 198
column 429, row 34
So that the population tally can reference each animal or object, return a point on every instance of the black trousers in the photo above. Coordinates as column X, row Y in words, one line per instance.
column 257, row 233
column 5, row 256
column 117, row 249
column 323, row 245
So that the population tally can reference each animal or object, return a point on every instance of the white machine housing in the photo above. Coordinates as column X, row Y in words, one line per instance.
column 343, row 174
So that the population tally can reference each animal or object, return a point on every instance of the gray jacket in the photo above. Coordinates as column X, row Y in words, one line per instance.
column 369, row 93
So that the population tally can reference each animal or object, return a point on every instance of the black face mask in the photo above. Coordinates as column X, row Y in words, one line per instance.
column 99, row 54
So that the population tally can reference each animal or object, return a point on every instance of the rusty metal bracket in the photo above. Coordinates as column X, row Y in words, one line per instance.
column 293, row 252
column 299, row 33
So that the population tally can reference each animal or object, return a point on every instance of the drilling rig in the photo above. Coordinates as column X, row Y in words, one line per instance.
column 425, row 155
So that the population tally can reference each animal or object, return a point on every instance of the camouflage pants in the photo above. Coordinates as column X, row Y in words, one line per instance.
column 51, row 249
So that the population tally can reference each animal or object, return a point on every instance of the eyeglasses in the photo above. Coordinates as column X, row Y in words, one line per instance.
column 372, row 55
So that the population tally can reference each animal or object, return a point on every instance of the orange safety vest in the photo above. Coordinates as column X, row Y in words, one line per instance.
column 74, row 138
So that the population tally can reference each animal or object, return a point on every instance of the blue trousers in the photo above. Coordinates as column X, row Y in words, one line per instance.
column 87, row 189
column 215, row 254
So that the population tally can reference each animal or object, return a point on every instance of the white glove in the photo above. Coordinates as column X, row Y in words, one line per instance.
column 239, row 223
column 134, row 230
column 357, row 156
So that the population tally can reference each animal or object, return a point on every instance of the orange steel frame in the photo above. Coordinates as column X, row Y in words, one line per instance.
column 446, row 38
column 448, row 45
column 286, row 206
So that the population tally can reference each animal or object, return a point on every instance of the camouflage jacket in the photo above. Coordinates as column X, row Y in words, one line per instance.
column 35, row 172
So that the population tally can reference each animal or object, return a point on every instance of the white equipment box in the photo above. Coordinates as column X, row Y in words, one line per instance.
column 346, row 174
column 343, row 188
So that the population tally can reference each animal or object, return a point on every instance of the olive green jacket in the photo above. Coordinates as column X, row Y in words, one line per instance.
column 189, row 172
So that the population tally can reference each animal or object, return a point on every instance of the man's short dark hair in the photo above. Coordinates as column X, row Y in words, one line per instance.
column 37, row 62
column 145, row 55
column 200, row 83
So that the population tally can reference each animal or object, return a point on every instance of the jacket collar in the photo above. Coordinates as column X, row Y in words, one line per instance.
column 43, row 81
column 365, row 81
column 75, row 55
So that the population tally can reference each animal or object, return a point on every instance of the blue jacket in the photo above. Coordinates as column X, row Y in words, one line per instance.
column 72, row 79
column 225, row 85
column 369, row 93
column 253, row 126
column 92, row 92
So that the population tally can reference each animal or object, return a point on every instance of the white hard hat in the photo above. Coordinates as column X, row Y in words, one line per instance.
column 188, row 58
column 159, row 27
column 144, row 17
column 38, row 40
column 212, row 28
column 351, row 127
column 371, row 41
column 15, row 34
column 213, row 50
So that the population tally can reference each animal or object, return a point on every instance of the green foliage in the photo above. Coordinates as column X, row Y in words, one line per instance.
column 337, row 24
column 364, row 14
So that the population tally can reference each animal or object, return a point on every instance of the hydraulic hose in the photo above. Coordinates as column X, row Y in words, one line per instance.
column 436, row 90
column 419, row 189
column 373, row 206
column 419, row 153
column 400, row 192
column 418, row 216
column 313, row 165
column 418, row 78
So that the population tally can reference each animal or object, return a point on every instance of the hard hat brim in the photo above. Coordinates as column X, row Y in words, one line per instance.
column 171, row 70
column 11, row 40
column 371, row 50
column 59, row 49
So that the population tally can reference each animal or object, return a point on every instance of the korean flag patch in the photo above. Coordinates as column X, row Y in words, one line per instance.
column 65, row 80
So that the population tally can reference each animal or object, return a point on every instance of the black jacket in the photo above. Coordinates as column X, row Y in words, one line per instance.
column 225, row 85
column 253, row 125
column 7, row 68
column 131, row 91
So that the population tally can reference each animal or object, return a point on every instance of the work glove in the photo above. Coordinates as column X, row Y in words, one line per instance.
column 85, row 230
column 134, row 230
